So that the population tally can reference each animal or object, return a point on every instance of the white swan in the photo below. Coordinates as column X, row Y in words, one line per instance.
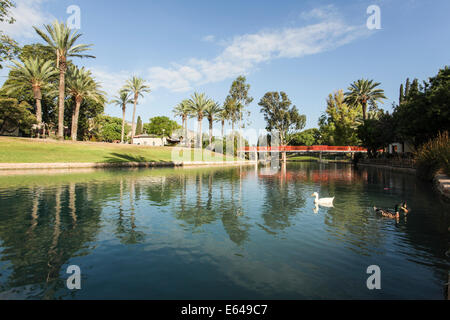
column 324, row 201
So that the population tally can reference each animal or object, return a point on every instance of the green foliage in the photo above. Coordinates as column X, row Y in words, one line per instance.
column 306, row 138
column 363, row 93
column 433, row 156
column 109, row 128
column 338, row 124
column 280, row 116
column 161, row 126
column 237, row 99
column 8, row 47
column 14, row 115
column 376, row 134
column 139, row 128
column 425, row 110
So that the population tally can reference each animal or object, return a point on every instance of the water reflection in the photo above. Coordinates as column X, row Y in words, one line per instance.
column 153, row 222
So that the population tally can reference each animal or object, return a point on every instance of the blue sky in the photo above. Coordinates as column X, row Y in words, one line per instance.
column 306, row 48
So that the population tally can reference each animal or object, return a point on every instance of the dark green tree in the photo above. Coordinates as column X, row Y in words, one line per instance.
column 161, row 126
column 15, row 115
column 139, row 127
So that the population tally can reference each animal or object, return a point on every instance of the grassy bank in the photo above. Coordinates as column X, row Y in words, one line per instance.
column 23, row 150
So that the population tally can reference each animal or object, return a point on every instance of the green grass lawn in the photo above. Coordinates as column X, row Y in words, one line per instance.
column 24, row 150
column 303, row 158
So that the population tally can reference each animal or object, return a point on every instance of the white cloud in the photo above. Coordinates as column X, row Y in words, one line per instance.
column 110, row 82
column 28, row 13
column 209, row 38
column 245, row 52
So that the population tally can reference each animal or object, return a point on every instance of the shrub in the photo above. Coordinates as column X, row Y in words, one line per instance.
column 433, row 156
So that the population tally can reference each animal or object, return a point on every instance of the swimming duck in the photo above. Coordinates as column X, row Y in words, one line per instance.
column 388, row 214
column 322, row 201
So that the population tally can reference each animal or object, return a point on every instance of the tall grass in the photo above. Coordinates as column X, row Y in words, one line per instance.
column 434, row 156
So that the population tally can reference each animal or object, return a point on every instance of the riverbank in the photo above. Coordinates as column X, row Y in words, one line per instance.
column 442, row 184
column 22, row 153
column 399, row 169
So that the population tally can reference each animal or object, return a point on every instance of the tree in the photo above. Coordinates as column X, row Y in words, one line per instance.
column 122, row 100
column 35, row 75
column 222, row 117
column 339, row 123
column 139, row 127
column 14, row 115
column 62, row 40
column 109, row 128
column 212, row 111
column 307, row 137
column 161, row 126
column 137, row 87
column 426, row 110
column 231, row 108
column 363, row 92
column 81, row 86
column 280, row 116
column 182, row 110
column 239, row 95
column 376, row 134
column 197, row 106
column 8, row 47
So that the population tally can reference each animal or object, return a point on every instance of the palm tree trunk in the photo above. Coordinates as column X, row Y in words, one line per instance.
column 210, row 130
column 200, row 142
column 62, row 74
column 38, row 111
column 186, row 139
column 75, row 116
column 133, row 125
column 123, row 123
column 223, row 125
column 364, row 107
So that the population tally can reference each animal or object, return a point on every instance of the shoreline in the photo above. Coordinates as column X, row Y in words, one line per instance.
column 99, row 165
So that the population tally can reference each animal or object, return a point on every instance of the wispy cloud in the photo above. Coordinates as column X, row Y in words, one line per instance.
column 245, row 52
column 28, row 13
column 209, row 38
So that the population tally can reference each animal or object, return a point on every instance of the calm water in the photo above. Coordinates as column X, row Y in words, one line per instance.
column 234, row 233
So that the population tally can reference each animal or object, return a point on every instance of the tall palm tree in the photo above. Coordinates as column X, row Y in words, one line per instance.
column 34, row 73
column 81, row 86
column 212, row 111
column 222, row 117
column 136, row 86
column 62, row 39
column 122, row 100
column 197, row 106
column 362, row 92
column 182, row 110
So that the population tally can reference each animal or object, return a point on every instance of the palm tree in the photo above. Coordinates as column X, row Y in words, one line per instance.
column 62, row 39
column 182, row 110
column 81, row 86
column 222, row 117
column 136, row 86
column 34, row 73
column 362, row 92
column 197, row 106
column 212, row 111
column 122, row 100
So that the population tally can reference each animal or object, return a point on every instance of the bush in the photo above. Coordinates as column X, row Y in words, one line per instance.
column 433, row 156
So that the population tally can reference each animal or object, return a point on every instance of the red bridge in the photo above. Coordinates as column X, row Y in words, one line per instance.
column 306, row 149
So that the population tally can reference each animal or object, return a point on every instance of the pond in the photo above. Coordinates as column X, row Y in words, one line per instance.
column 220, row 233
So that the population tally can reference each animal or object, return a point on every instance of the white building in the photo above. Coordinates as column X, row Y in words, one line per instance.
column 149, row 140
column 400, row 147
